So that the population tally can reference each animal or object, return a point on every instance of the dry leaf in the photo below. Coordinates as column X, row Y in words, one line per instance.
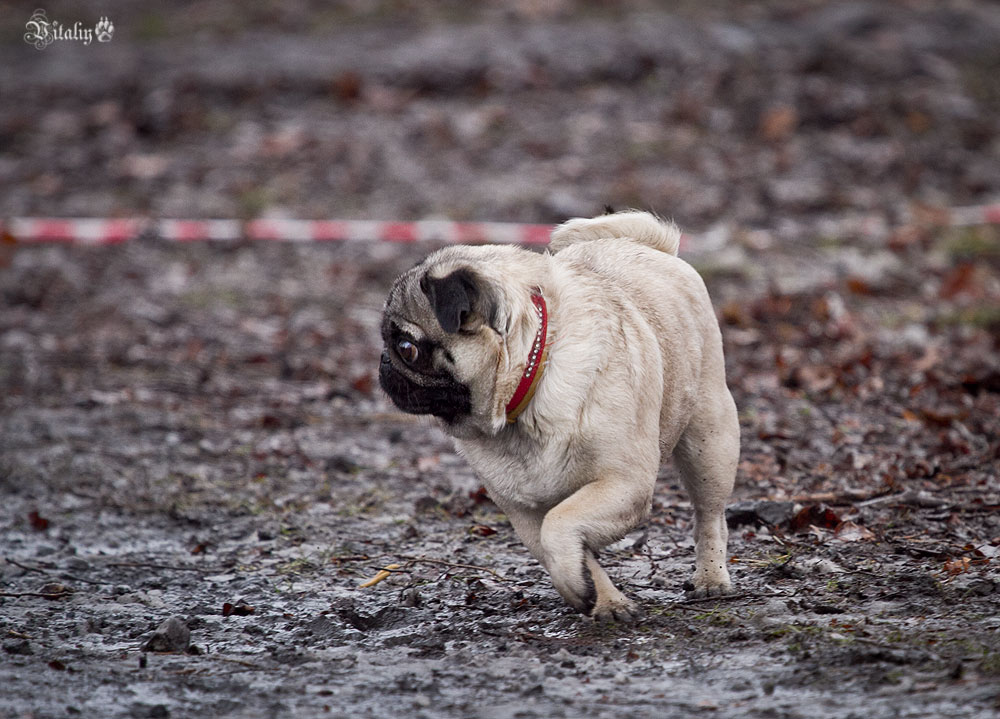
column 852, row 532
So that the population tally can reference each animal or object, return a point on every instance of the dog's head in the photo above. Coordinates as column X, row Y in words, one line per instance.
column 445, row 328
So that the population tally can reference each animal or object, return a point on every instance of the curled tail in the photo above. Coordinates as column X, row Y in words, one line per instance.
column 642, row 227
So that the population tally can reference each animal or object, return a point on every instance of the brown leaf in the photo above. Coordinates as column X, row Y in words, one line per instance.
column 347, row 85
column 852, row 532
column 363, row 384
column 858, row 286
column 38, row 522
column 482, row 530
column 240, row 609
column 957, row 565
column 818, row 515
column 243, row 610
column 961, row 280
column 735, row 313
column 778, row 123
column 480, row 496
column 918, row 122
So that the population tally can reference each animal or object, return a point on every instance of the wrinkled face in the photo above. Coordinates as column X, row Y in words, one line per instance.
column 429, row 328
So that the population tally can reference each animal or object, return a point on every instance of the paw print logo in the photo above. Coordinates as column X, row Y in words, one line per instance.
column 39, row 30
column 104, row 29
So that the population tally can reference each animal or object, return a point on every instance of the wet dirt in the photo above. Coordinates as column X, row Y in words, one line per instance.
column 194, row 455
column 194, row 432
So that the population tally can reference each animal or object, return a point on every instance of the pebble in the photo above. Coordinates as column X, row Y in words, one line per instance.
column 18, row 646
column 172, row 635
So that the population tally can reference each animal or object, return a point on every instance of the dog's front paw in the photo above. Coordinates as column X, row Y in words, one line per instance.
column 578, row 590
column 622, row 610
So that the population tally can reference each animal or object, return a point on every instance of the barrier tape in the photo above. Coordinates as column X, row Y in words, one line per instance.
column 111, row 231
column 98, row 231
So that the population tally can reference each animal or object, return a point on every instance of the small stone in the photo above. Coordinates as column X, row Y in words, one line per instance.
column 18, row 646
column 410, row 598
column 172, row 635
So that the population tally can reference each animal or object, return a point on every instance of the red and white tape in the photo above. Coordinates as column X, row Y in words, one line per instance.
column 110, row 231
column 96, row 231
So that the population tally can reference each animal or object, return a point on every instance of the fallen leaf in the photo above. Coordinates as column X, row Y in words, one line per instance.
column 858, row 286
column 479, row 496
column 960, row 280
column 818, row 515
column 363, row 384
column 38, row 522
column 957, row 566
column 347, row 85
column 240, row 609
column 918, row 122
column 852, row 532
column 778, row 123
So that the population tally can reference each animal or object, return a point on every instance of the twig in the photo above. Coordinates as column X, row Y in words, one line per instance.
column 241, row 662
column 24, row 566
column 164, row 566
column 456, row 565
column 384, row 573
column 682, row 604
column 64, row 575
column 849, row 496
column 43, row 595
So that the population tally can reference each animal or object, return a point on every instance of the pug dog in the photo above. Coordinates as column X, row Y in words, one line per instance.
column 565, row 377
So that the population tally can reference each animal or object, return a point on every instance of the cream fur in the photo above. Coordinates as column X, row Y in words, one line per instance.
column 635, row 369
column 640, row 226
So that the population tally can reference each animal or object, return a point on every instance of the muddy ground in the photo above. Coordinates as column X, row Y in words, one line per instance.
column 195, row 432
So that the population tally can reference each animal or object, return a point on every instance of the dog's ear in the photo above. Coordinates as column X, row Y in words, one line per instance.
column 461, row 301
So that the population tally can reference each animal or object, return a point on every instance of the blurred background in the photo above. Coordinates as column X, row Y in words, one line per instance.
column 774, row 114
column 169, row 408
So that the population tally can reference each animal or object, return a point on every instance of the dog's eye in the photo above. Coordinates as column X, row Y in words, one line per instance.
column 408, row 351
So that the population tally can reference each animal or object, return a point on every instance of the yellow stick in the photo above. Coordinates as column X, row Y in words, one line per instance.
column 382, row 574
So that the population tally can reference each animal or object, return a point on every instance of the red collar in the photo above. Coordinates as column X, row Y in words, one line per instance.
column 536, row 364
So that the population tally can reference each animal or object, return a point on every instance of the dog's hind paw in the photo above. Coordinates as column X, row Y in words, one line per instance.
column 717, row 590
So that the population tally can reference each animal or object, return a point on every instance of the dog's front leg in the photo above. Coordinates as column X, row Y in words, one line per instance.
column 575, row 529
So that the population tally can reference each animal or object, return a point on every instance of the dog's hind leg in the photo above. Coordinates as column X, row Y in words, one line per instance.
column 706, row 456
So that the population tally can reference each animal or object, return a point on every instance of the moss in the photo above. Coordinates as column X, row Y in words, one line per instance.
column 977, row 242
column 990, row 664
column 716, row 617
column 986, row 317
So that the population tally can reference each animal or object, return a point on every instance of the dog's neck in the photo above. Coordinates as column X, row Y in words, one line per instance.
column 536, row 363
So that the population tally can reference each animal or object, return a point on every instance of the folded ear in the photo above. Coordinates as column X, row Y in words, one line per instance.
column 461, row 300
